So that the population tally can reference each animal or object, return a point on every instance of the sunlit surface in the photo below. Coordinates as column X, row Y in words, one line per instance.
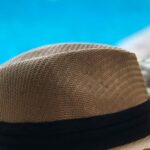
column 25, row 24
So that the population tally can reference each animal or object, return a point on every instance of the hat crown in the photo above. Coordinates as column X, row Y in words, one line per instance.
column 68, row 81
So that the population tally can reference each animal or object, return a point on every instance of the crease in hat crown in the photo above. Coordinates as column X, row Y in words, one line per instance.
column 68, row 81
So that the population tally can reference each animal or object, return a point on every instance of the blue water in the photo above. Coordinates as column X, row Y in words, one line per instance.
column 25, row 24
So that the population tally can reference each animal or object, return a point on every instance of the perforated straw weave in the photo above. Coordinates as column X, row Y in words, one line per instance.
column 68, row 81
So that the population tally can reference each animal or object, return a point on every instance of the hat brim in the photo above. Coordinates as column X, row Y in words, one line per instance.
column 141, row 144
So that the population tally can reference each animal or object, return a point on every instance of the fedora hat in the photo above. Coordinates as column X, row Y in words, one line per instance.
column 74, row 96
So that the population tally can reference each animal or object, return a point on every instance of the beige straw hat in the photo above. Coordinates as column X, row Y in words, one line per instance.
column 74, row 96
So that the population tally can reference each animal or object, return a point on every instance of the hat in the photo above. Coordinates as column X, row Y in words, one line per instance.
column 74, row 96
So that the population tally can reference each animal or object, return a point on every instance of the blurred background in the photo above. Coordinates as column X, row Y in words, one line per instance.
column 27, row 24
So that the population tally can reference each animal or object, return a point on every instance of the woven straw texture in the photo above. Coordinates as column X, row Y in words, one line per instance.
column 68, row 81
column 143, row 144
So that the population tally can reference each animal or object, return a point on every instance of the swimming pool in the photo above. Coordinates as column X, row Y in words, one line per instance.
column 25, row 24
